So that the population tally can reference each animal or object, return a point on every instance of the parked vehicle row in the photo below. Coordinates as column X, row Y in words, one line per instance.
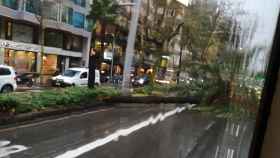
column 9, row 79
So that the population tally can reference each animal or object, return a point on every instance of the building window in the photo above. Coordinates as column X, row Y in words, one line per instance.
column 50, row 10
column 32, row 6
column 72, row 42
column 74, row 62
column 22, row 33
column 67, row 15
column 13, row 4
column 81, row 3
column 53, row 39
column 77, row 43
column 78, row 20
column 1, row 28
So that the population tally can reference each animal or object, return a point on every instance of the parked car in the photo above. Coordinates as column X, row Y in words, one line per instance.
column 75, row 77
column 27, row 78
column 140, row 80
column 7, row 79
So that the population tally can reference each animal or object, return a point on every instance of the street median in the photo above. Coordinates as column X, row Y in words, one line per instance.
column 30, row 107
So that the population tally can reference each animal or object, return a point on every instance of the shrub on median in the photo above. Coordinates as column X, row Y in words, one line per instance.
column 60, row 98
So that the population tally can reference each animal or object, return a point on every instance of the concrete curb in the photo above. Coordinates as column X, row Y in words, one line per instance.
column 49, row 114
column 85, row 107
column 153, row 99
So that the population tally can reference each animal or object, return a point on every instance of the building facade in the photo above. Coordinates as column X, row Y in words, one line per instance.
column 67, row 37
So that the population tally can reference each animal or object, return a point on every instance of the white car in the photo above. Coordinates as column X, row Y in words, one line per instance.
column 7, row 79
column 75, row 77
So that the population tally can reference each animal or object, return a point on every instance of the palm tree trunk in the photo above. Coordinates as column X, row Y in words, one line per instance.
column 103, row 36
column 180, row 65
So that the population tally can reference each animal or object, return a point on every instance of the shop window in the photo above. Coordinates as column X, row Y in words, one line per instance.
column 22, row 33
column 54, row 39
column 67, row 15
column 22, row 61
column 79, row 20
column 13, row 4
column 49, row 64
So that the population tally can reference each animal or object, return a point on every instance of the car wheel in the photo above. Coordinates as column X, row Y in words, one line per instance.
column 7, row 89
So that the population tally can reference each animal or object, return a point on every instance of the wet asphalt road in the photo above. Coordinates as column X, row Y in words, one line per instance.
column 182, row 135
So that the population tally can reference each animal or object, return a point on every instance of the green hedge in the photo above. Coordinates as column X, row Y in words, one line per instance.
column 73, row 96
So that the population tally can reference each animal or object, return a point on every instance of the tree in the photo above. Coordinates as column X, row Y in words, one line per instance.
column 214, row 38
column 41, row 10
column 105, row 12
column 159, row 25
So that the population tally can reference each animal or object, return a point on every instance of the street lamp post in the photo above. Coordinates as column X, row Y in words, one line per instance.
column 130, row 46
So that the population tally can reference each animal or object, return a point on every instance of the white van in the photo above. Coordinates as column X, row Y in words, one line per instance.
column 75, row 77
column 7, row 79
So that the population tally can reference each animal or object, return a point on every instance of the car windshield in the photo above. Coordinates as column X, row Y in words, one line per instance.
column 70, row 73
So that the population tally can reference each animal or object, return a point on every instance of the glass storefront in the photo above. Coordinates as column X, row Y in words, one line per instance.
column 49, row 64
column 22, row 61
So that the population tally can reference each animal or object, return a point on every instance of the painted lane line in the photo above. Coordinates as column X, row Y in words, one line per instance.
column 6, row 150
column 119, row 133
column 4, row 143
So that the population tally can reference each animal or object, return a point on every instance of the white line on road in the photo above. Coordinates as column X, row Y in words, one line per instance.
column 6, row 150
column 122, row 132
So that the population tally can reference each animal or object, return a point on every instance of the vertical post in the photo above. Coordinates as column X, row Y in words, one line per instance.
column 2, row 55
column 112, row 61
column 180, row 65
column 130, row 46
column 67, row 63
column 92, row 67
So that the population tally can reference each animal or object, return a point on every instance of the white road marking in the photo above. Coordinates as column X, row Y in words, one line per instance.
column 217, row 151
column 115, row 136
column 209, row 126
column 237, row 130
column 6, row 150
